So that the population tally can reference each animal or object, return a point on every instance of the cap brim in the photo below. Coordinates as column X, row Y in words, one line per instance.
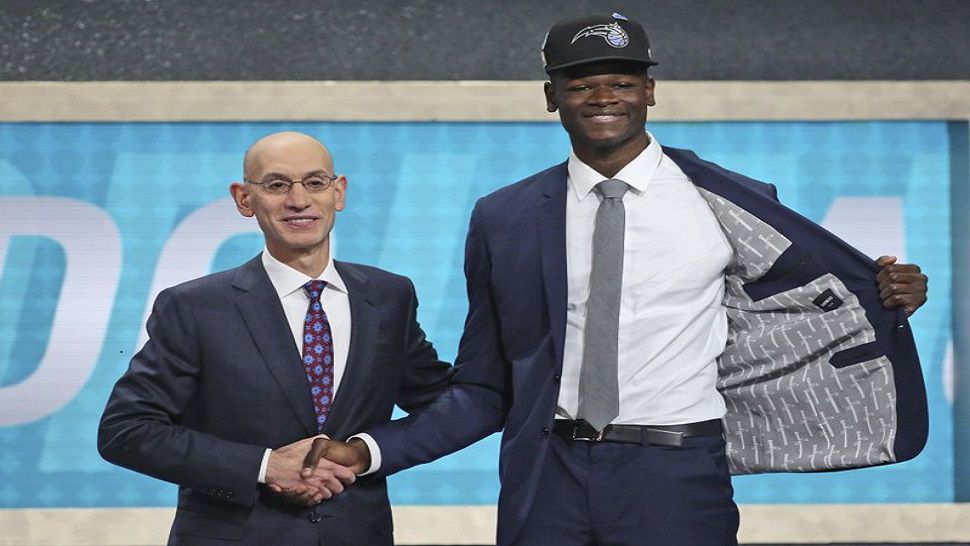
column 636, row 60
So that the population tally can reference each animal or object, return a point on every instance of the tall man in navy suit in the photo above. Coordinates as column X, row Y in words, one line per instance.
column 245, row 367
column 631, row 308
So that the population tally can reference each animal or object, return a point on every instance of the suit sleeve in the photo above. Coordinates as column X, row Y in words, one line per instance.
column 425, row 377
column 140, row 428
column 474, row 405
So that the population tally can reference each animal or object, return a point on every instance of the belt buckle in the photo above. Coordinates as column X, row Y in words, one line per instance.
column 584, row 432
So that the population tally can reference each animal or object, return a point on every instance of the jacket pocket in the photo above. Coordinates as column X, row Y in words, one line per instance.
column 212, row 519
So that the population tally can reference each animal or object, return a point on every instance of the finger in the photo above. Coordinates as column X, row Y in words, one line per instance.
column 906, row 301
column 275, row 488
column 904, row 268
column 902, row 288
column 885, row 260
column 317, row 449
column 888, row 292
column 907, row 277
column 330, row 480
column 298, row 495
column 321, row 479
column 918, row 301
column 306, row 499
column 902, row 275
column 913, row 277
column 334, row 486
column 339, row 471
column 315, row 498
column 888, row 268
column 325, row 480
column 903, row 271
column 313, row 489
column 298, row 490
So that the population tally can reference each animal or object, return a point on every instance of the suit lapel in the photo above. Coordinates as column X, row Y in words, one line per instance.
column 364, row 333
column 551, row 218
column 263, row 314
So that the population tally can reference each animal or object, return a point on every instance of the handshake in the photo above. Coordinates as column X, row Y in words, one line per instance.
column 313, row 470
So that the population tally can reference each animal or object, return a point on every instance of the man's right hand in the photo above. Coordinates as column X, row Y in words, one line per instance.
column 352, row 454
column 283, row 475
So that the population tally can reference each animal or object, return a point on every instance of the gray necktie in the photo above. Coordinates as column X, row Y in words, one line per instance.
column 599, row 391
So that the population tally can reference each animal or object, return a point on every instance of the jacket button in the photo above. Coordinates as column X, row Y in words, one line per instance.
column 545, row 431
column 557, row 377
column 314, row 516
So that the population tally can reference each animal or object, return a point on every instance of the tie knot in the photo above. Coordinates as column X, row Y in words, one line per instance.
column 612, row 188
column 314, row 289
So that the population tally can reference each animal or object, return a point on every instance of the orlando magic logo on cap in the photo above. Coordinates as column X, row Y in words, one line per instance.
column 596, row 38
column 612, row 33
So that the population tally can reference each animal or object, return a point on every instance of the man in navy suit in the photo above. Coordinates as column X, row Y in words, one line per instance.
column 635, row 306
column 245, row 367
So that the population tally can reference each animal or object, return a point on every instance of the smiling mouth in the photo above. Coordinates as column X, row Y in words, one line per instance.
column 604, row 116
column 300, row 221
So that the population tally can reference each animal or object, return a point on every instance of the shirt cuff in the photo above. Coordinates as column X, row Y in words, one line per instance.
column 375, row 452
column 263, row 465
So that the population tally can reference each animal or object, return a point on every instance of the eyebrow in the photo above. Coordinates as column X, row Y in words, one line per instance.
column 274, row 175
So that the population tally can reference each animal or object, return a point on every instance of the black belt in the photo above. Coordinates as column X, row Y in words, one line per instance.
column 662, row 435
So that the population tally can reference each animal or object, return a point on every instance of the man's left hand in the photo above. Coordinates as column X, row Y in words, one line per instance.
column 901, row 285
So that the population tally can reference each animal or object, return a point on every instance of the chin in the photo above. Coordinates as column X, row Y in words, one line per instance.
column 608, row 142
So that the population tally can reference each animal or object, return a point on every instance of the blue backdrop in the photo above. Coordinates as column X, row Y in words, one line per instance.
column 96, row 218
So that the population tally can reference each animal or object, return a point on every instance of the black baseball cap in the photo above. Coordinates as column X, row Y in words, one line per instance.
column 595, row 38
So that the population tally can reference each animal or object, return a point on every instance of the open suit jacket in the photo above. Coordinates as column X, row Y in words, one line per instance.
column 221, row 380
column 817, row 374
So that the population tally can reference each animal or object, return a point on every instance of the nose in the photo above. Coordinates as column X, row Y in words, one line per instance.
column 297, row 198
column 602, row 94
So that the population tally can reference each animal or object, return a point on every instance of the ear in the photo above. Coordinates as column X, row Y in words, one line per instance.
column 241, row 194
column 550, row 97
column 651, row 85
column 340, row 192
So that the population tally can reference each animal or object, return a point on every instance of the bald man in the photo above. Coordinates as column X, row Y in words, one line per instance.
column 244, row 368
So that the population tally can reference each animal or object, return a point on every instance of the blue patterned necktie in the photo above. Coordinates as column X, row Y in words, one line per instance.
column 318, row 353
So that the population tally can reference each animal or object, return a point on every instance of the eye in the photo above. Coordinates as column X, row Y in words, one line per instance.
column 277, row 185
column 315, row 183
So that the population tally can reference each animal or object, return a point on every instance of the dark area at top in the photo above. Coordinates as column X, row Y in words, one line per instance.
column 472, row 40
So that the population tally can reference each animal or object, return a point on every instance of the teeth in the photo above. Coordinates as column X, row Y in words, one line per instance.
column 300, row 221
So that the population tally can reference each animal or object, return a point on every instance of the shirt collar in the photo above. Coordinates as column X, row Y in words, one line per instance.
column 287, row 280
column 637, row 173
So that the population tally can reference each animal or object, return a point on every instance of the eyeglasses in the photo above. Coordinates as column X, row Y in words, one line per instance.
column 279, row 186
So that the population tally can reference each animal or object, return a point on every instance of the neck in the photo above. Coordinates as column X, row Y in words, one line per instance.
column 609, row 160
column 311, row 263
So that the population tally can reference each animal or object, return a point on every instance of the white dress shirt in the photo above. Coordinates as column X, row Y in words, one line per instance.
column 288, row 283
column 672, row 324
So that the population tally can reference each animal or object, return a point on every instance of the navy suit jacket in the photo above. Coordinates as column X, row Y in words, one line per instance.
column 220, row 380
column 817, row 374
